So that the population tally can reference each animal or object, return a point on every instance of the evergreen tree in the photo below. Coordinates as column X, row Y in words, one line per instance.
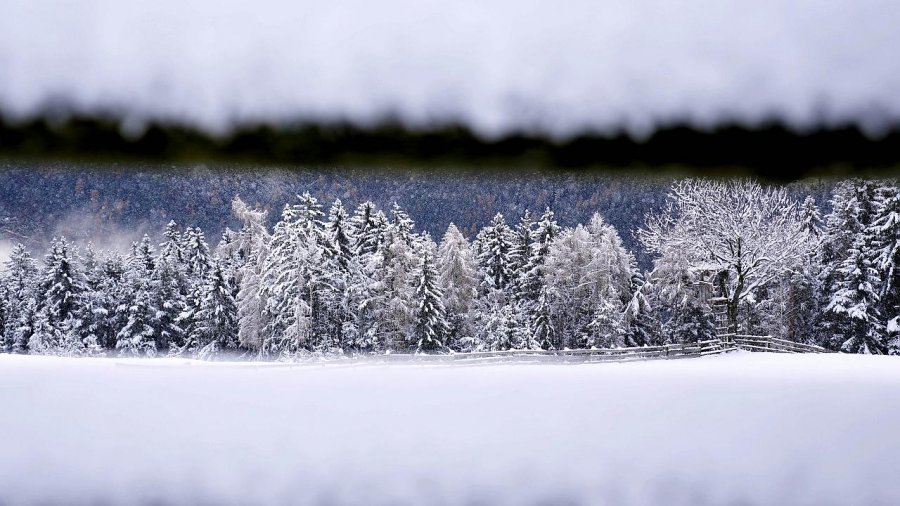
column 138, row 336
column 521, row 251
column 642, row 327
column 853, row 307
column 505, row 329
column 95, row 316
column 692, row 324
column 172, row 249
column 432, row 328
column 495, row 246
column 285, row 277
column 458, row 280
column 5, row 343
column 250, row 301
column 20, row 279
column 810, row 217
column 60, row 302
column 885, row 233
column 197, row 257
column 336, row 277
column 401, row 224
column 393, row 295
column 215, row 328
column 368, row 225
column 544, row 335
column 170, row 305
column 532, row 277
column 607, row 328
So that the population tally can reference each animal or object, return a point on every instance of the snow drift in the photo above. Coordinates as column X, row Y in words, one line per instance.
column 735, row 429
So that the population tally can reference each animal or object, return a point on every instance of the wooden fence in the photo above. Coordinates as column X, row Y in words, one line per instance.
column 768, row 344
column 725, row 343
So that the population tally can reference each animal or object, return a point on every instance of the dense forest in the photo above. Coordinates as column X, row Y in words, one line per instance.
column 728, row 257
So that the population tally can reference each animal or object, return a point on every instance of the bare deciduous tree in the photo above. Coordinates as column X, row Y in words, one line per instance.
column 747, row 233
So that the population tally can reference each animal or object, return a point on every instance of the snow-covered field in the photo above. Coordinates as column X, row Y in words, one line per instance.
column 736, row 429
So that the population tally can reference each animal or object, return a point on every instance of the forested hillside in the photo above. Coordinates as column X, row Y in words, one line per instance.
column 115, row 205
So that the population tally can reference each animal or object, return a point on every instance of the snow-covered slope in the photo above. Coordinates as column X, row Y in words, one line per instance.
column 736, row 429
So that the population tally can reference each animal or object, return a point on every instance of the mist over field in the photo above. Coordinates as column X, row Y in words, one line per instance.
column 494, row 66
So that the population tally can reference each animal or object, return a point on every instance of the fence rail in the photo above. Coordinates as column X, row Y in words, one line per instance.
column 769, row 344
column 723, row 344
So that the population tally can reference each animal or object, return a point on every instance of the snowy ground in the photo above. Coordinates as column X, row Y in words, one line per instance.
column 736, row 429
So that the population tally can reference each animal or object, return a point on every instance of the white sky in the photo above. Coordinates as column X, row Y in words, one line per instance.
column 494, row 64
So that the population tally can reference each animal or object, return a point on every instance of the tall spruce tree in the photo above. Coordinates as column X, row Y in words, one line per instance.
column 20, row 279
column 855, row 303
column 458, row 280
column 60, row 302
column 432, row 328
column 215, row 323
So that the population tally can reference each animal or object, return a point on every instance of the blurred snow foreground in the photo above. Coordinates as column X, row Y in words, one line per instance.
column 740, row 428
column 496, row 66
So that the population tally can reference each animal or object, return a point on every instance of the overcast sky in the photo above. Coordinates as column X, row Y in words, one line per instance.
column 496, row 65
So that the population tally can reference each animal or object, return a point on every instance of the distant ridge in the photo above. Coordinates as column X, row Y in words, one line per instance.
column 771, row 151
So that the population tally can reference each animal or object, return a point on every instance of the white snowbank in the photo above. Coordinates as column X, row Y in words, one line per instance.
column 494, row 64
column 737, row 429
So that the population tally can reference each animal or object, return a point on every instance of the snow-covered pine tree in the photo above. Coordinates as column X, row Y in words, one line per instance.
column 283, row 287
column 565, row 271
column 847, row 226
column 885, row 233
column 607, row 328
column 139, row 334
column 215, row 322
column 197, row 257
column 393, row 295
column 368, row 227
column 255, row 248
column 458, row 280
column 95, row 316
column 20, row 279
column 853, row 308
column 693, row 323
column 170, row 304
column 613, row 268
column 115, row 292
column 547, row 230
column 316, row 269
column 495, row 246
column 196, row 266
column 172, row 248
column 520, row 252
column 401, row 224
column 543, row 331
column 336, row 276
column 5, row 344
column 642, row 327
column 505, row 329
column 60, row 302
column 588, row 270
column 810, row 217
column 432, row 328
